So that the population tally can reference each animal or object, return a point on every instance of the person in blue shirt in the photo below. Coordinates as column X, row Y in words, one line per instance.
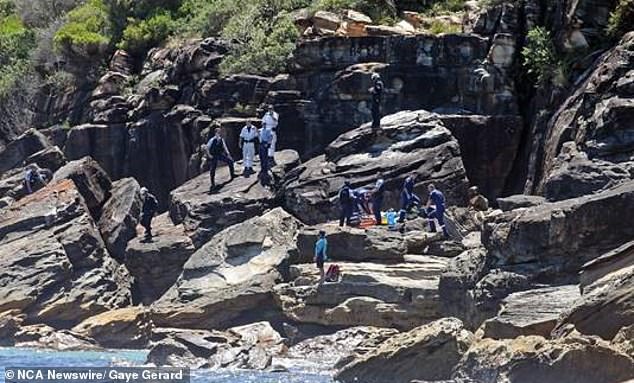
column 408, row 197
column 437, row 199
column 321, row 247
column 266, row 138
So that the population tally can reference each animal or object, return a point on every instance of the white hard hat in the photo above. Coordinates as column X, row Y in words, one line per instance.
column 144, row 190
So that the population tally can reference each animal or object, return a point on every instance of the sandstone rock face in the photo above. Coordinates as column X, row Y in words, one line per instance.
column 529, row 359
column 369, row 294
column 91, row 180
column 519, row 201
column 556, row 238
column 597, row 125
column 247, row 347
column 46, row 337
column 18, row 150
column 232, row 275
column 607, row 303
column 488, row 164
column 203, row 214
column 57, row 270
column 374, row 244
column 457, row 282
column 429, row 352
column 340, row 348
column 120, row 216
column 411, row 142
column 532, row 312
column 129, row 327
column 156, row 265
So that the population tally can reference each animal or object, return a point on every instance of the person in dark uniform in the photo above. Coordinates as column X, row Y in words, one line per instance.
column 437, row 199
column 217, row 151
column 377, row 95
column 346, row 202
column 377, row 198
column 150, row 206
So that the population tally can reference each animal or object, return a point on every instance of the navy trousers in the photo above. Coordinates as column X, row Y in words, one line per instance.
column 214, row 164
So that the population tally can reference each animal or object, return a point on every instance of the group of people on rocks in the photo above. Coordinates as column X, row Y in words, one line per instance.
column 356, row 202
column 265, row 137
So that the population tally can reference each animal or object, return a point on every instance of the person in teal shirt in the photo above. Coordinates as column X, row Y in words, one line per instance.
column 321, row 247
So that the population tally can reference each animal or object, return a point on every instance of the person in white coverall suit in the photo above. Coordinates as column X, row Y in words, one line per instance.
column 248, row 135
column 270, row 121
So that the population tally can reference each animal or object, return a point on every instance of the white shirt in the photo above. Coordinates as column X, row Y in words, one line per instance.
column 270, row 120
column 249, row 135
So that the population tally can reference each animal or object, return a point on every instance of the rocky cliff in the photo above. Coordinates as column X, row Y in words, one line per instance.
column 537, row 287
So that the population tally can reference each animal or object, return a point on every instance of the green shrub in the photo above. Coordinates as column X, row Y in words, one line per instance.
column 444, row 7
column 540, row 59
column 141, row 35
column 16, row 41
column 88, row 29
column 208, row 17
column 440, row 26
column 260, row 48
column 621, row 19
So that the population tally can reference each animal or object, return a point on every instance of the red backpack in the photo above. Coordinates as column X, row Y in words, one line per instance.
column 333, row 273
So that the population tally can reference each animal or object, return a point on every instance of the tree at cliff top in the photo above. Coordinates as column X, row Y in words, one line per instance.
column 16, row 42
column 621, row 19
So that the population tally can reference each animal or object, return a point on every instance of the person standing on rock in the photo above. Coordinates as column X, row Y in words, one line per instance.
column 271, row 120
column 266, row 137
column 217, row 151
column 437, row 199
column 377, row 95
column 408, row 197
column 321, row 247
column 346, row 204
column 377, row 198
column 248, row 135
column 149, row 208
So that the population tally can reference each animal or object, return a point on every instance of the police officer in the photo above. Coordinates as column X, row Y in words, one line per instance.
column 271, row 120
column 266, row 137
column 377, row 95
column 217, row 151
column 150, row 205
column 377, row 198
column 346, row 201
column 248, row 135
column 437, row 199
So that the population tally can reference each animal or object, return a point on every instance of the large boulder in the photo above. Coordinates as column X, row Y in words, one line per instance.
column 204, row 214
column 339, row 348
column 402, row 295
column 232, row 276
column 607, row 303
column 251, row 347
column 92, row 182
column 556, row 239
column 429, row 352
column 18, row 150
column 56, row 267
column 410, row 143
column 532, row 312
column 157, row 264
column 120, row 216
column 574, row 359
column 128, row 327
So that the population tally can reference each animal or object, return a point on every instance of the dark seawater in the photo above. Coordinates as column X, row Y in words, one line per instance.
column 15, row 357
